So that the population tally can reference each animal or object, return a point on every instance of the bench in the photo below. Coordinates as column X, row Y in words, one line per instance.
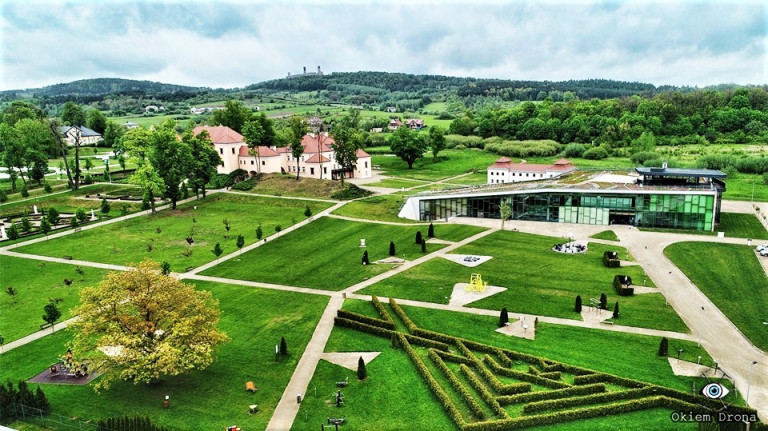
column 253, row 408
column 45, row 326
column 249, row 386
column 67, row 257
column 344, row 383
column 337, row 421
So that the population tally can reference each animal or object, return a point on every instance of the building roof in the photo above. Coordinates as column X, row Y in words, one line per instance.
column 84, row 131
column 263, row 152
column 317, row 158
column 677, row 172
column 361, row 154
column 561, row 165
column 220, row 134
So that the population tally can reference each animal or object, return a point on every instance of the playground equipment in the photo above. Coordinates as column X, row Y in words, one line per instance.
column 476, row 284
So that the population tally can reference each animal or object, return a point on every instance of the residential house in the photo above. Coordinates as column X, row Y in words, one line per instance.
column 71, row 133
column 415, row 123
column 130, row 125
column 503, row 171
column 391, row 109
column 394, row 124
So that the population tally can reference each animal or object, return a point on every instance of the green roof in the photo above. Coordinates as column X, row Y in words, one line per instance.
column 676, row 172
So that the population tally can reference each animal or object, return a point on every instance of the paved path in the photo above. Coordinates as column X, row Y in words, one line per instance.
column 36, row 335
column 288, row 407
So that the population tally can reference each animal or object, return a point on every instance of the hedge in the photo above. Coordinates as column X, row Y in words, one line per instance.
column 568, row 415
column 611, row 259
column 351, row 315
column 551, row 395
column 450, row 357
column 467, row 397
column 504, row 359
column 498, row 386
column 360, row 326
column 430, row 344
column 433, row 385
column 401, row 314
column 468, row 353
column 523, row 376
column 540, row 406
column 533, row 370
column 382, row 311
column 485, row 394
column 552, row 375
column 619, row 286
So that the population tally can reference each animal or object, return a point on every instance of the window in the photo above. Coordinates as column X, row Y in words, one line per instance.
column 325, row 170
column 303, row 169
column 233, row 150
column 221, row 150
column 251, row 161
column 366, row 164
column 312, row 171
column 263, row 163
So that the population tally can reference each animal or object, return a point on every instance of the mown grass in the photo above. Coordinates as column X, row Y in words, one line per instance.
column 71, row 200
column 448, row 164
column 326, row 253
column 287, row 185
column 732, row 278
column 735, row 225
column 539, row 281
column 130, row 240
column 210, row 399
column 37, row 282
column 607, row 235
column 379, row 208
column 396, row 183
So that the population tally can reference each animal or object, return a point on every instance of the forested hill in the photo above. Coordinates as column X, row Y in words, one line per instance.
column 87, row 90
column 376, row 83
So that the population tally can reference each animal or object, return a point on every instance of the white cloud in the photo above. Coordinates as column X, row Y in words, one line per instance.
column 219, row 44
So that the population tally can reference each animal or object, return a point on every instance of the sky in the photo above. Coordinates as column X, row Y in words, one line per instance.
column 233, row 44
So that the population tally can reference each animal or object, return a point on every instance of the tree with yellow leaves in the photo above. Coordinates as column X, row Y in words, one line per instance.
column 140, row 325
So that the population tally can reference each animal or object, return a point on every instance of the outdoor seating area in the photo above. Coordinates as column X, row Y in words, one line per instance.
column 570, row 247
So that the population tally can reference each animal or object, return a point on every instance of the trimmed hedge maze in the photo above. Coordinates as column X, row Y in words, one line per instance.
column 486, row 388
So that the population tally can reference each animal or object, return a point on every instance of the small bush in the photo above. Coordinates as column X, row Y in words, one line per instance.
column 365, row 258
column 663, row 347
column 577, row 306
column 24, row 191
column 616, row 310
column 351, row 192
column 503, row 317
column 283, row 346
column 4, row 196
column 419, row 238
column 47, row 188
column 362, row 373
column 597, row 153
column 431, row 231
column 574, row 150
column 391, row 248
column 244, row 185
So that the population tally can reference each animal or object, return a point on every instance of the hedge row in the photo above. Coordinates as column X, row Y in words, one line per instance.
column 568, row 415
column 401, row 314
column 620, row 288
column 485, row 394
column 360, row 326
column 551, row 375
column 468, row 353
column 533, row 370
column 345, row 314
column 541, row 362
column 498, row 386
column 540, row 406
column 552, row 395
column 430, row 344
column 438, row 391
column 611, row 259
column 585, row 379
column 382, row 311
column 450, row 357
column 523, row 376
column 465, row 395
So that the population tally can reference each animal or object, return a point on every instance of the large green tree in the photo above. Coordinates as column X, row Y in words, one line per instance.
column 346, row 141
column 234, row 115
column 171, row 160
column 296, row 130
column 407, row 145
column 253, row 133
column 140, row 325
column 205, row 159
column 97, row 121
column 113, row 135
column 151, row 184
column 436, row 140
column 72, row 114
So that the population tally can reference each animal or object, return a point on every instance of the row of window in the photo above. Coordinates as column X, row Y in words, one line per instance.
column 515, row 174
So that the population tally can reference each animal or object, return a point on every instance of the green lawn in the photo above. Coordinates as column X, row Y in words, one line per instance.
column 130, row 241
column 735, row 225
column 732, row 278
column 286, row 185
column 211, row 399
column 71, row 200
column 381, row 208
column 449, row 163
column 472, row 179
column 608, row 235
column 326, row 253
column 36, row 283
column 396, row 183
column 745, row 187
column 539, row 281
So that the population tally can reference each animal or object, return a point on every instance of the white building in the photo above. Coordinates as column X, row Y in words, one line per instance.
column 504, row 171
column 71, row 133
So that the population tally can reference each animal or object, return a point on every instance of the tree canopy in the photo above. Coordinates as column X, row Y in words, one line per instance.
column 140, row 325
column 407, row 145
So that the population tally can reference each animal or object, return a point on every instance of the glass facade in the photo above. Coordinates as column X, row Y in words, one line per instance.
column 692, row 210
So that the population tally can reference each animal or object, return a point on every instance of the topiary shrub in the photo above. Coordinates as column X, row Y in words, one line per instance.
column 365, row 258
column 503, row 317
column 283, row 346
column 391, row 248
column 431, row 231
column 577, row 306
column 362, row 373
column 419, row 239
column 616, row 310
column 603, row 301
column 663, row 346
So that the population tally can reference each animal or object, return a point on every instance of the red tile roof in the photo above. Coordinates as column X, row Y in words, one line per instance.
column 312, row 144
column 263, row 152
column 220, row 134
column 505, row 163
column 317, row 158
column 361, row 154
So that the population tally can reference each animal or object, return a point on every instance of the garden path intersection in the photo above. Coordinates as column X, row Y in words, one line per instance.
column 709, row 326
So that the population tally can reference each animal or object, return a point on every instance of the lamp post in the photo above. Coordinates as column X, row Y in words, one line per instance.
column 749, row 385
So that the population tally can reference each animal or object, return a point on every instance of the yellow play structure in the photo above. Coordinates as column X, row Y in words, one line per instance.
column 476, row 283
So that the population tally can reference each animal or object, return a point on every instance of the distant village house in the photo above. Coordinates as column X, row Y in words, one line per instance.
column 70, row 134
column 503, row 171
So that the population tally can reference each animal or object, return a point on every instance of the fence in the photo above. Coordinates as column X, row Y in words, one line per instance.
column 33, row 415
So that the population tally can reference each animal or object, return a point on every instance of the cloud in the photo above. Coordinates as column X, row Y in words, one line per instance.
column 233, row 44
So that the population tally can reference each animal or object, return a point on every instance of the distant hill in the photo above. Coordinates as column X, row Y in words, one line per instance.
column 87, row 90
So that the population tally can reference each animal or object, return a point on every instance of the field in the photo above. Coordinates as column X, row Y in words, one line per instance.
column 539, row 281
column 449, row 163
column 218, row 390
column 381, row 208
column 326, row 254
column 71, row 200
column 36, row 283
column 286, row 185
column 162, row 237
column 731, row 275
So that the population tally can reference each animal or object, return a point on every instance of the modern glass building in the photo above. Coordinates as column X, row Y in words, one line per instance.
column 652, row 197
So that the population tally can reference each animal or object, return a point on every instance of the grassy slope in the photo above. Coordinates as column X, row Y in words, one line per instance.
column 326, row 254
column 606, row 235
column 211, row 399
column 539, row 281
column 382, row 208
column 732, row 278
column 449, row 163
column 286, row 185
column 127, row 241
column 36, row 282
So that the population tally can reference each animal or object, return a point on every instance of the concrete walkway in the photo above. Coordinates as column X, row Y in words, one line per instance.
column 36, row 335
